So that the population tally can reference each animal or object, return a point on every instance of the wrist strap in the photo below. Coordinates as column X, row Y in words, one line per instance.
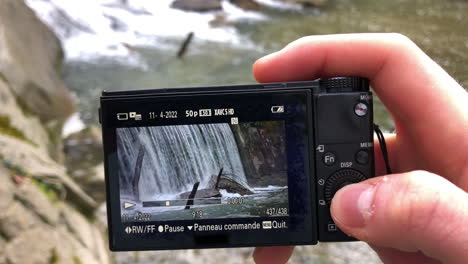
column 383, row 147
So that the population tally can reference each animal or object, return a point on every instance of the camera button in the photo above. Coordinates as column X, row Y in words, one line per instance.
column 360, row 109
column 332, row 228
column 362, row 157
column 329, row 159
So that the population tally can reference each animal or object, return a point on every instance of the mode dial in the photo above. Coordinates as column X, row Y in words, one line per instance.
column 340, row 179
column 345, row 84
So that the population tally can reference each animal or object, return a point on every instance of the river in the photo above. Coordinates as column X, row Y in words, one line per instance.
column 137, row 49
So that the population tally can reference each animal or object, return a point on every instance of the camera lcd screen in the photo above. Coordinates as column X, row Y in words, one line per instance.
column 209, row 170
column 203, row 171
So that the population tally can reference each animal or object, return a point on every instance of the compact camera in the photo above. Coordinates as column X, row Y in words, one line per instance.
column 233, row 166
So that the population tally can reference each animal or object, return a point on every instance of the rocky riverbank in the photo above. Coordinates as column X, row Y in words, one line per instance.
column 46, row 217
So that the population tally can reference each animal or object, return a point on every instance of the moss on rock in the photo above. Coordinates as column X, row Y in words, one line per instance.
column 7, row 129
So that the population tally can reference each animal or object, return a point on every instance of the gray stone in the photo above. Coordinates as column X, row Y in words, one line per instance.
column 337, row 253
column 40, row 245
column 314, row 3
column 36, row 201
column 95, row 185
column 37, row 163
column 101, row 250
column 83, row 149
column 28, row 125
column 30, row 60
column 34, row 246
column 78, row 226
column 197, row 5
column 84, row 159
column 2, row 246
column 88, row 234
column 17, row 219
column 6, row 189
column 246, row 4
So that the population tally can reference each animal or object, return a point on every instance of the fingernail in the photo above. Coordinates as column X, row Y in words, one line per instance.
column 352, row 205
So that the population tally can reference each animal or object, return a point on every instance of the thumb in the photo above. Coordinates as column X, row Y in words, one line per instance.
column 415, row 211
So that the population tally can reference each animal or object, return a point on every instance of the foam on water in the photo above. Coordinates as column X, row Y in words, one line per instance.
column 72, row 125
column 90, row 29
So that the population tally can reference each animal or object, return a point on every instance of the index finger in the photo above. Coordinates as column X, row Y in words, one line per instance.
column 428, row 105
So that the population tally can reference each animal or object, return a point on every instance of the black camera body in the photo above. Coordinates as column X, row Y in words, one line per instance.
column 233, row 166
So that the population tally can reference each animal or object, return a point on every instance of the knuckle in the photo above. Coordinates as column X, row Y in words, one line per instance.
column 417, row 204
column 300, row 41
column 401, row 38
column 402, row 43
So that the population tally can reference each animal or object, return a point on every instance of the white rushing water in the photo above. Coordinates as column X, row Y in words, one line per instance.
column 176, row 157
column 90, row 29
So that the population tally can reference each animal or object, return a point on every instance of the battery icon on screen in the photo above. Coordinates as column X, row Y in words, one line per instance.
column 277, row 109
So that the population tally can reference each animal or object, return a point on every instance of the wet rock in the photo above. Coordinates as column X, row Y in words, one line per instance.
column 197, row 5
column 203, row 193
column 314, row 3
column 262, row 152
column 30, row 59
column 84, row 161
column 95, row 183
column 232, row 186
column 83, row 149
column 212, row 190
column 16, row 219
column 246, row 4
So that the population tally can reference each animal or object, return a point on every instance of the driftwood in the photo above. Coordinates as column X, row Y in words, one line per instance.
column 192, row 195
column 137, row 172
column 216, row 183
column 219, row 177
column 183, row 48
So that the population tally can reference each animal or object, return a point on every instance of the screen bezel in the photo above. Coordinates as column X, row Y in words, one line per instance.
column 121, row 241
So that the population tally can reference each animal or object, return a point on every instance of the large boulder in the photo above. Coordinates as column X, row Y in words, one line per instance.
column 30, row 61
column 197, row 5
column 16, row 122
column 36, row 163
column 16, row 219
column 37, row 229
column 246, row 4
column 49, row 245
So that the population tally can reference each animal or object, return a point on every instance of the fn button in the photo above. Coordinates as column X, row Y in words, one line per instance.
column 329, row 159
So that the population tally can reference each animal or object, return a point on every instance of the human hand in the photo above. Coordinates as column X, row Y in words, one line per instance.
column 420, row 213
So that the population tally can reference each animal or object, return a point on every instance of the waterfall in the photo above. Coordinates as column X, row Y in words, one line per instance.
column 176, row 157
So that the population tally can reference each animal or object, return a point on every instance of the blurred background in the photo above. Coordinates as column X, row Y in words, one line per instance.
column 56, row 57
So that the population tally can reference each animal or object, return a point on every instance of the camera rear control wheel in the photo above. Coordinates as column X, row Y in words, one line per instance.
column 339, row 180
